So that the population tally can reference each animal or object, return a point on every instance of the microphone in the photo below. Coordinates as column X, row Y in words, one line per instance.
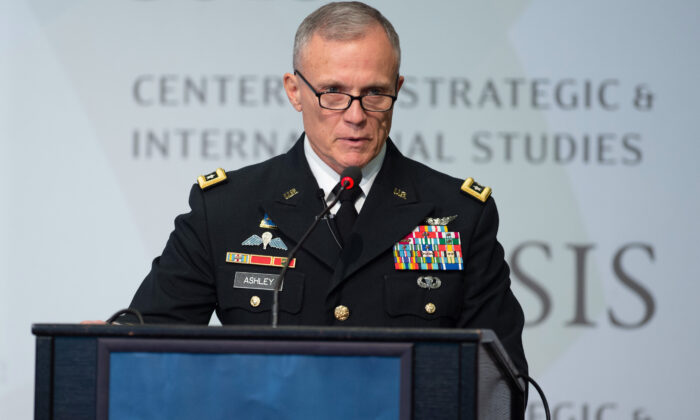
column 349, row 179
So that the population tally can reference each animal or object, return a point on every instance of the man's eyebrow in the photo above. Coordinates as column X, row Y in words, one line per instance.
column 330, row 83
column 383, row 87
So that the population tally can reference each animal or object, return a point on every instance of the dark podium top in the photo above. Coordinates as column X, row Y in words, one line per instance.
column 442, row 374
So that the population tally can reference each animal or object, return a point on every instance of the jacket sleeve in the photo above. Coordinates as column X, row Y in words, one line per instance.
column 180, row 286
column 488, row 301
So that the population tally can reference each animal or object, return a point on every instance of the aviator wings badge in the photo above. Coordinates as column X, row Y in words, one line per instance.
column 439, row 221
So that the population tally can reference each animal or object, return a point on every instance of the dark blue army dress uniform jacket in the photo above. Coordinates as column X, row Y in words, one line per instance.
column 195, row 275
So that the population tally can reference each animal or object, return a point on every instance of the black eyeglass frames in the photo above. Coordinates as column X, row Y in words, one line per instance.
column 338, row 101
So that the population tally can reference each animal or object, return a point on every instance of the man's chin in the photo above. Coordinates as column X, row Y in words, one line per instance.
column 356, row 156
column 360, row 162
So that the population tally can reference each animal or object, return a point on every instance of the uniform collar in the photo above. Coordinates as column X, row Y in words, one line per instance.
column 327, row 178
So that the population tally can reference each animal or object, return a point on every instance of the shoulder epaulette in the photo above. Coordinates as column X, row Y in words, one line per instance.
column 206, row 181
column 477, row 191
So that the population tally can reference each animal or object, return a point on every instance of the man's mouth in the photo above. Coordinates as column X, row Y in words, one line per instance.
column 353, row 139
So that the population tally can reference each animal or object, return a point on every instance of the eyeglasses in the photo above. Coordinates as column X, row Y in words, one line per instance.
column 338, row 101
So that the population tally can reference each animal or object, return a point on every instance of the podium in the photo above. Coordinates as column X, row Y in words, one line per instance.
column 230, row 372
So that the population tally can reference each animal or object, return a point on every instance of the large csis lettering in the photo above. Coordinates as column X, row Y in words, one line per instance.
column 570, row 410
column 581, row 253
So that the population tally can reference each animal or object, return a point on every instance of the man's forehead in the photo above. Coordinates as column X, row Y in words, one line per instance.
column 368, row 57
column 329, row 34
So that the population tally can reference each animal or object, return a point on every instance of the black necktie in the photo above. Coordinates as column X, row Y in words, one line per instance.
column 347, row 214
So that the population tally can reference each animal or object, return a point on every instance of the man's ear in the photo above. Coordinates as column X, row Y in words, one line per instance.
column 291, row 86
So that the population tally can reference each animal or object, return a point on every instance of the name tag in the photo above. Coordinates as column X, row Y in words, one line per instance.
column 260, row 281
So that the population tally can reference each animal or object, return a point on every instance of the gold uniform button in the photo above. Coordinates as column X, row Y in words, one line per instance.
column 430, row 308
column 341, row 312
column 254, row 301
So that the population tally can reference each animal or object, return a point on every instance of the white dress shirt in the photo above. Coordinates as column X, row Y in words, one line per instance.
column 327, row 178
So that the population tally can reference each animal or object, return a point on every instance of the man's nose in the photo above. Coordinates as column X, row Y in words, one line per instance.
column 355, row 114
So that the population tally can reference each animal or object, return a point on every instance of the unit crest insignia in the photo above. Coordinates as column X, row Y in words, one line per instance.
column 266, row 223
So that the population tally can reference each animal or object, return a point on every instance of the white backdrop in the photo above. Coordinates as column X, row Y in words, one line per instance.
column 582, row 116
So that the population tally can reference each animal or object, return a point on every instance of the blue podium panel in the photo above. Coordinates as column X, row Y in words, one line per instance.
column 258, row 380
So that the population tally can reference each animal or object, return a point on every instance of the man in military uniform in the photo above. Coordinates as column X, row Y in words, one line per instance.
column 422, row 251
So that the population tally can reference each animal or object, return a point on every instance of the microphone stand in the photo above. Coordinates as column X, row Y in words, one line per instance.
column 285, row 266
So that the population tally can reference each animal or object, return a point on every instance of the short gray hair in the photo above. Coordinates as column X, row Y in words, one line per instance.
column 342, row 21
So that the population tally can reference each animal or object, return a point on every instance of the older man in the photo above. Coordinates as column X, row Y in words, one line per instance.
column 422, row 251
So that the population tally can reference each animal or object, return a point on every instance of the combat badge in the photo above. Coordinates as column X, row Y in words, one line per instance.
column 266, row 239
column 477, row 191
column 206, row 181
column 429, row 248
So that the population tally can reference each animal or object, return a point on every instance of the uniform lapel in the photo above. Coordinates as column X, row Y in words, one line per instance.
column 295, row 203
column 391, row 211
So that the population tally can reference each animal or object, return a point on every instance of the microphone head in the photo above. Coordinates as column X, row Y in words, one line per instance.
column 351, row 176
